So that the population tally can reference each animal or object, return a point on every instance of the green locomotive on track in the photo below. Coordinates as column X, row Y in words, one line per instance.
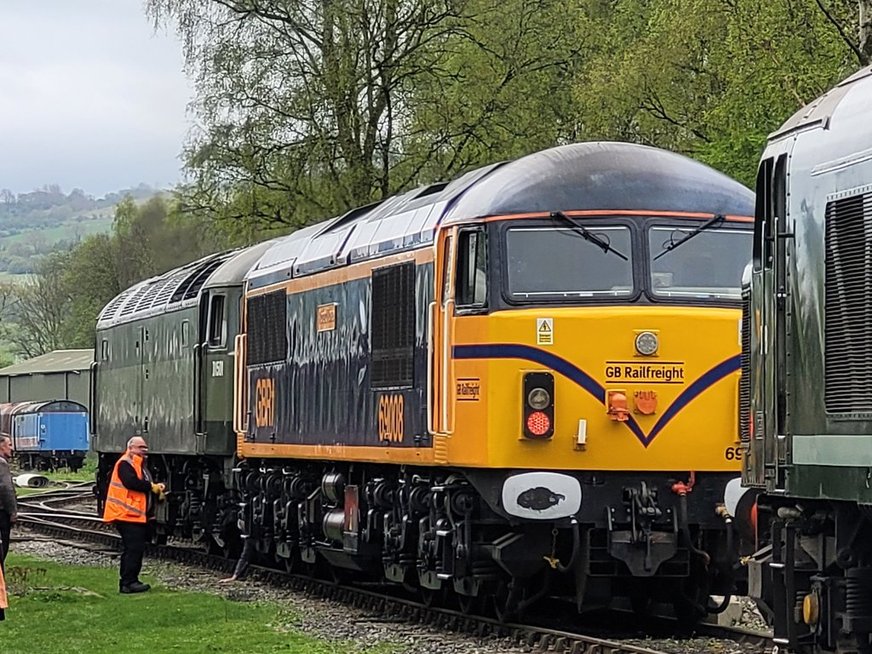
column 806, row 413
column 164, row 369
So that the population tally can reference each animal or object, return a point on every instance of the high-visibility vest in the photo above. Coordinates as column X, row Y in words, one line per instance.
column 4, row 601
column 123, row 504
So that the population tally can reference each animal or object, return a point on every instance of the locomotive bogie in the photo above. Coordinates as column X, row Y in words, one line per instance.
column 443, row 529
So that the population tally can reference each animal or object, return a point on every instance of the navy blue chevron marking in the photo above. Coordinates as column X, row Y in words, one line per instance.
column 588, row 383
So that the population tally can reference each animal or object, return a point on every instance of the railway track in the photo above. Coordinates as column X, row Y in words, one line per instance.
column 45, row 514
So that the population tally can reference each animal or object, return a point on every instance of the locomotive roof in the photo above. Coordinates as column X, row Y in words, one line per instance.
column 830, row 134
column 822, row 110
column 581, row 177
column 180, row 287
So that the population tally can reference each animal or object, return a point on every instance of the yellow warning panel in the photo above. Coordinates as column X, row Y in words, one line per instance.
column 545, row 331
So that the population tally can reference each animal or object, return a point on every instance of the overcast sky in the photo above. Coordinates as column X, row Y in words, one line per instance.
column 90, row 97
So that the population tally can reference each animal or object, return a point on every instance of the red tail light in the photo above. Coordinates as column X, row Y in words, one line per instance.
column 538, row 423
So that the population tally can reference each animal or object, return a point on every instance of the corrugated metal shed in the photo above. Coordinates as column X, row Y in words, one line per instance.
column 58, row 375
column 57, row 361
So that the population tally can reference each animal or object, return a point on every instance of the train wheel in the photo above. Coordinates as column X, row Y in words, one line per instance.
column 641, row 603
column 504, row 601
column 433, row 597
column 470, row 604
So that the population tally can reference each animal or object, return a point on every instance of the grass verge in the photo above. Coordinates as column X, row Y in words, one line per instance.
column 77, row 609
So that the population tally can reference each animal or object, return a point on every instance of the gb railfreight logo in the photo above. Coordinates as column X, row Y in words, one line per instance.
column 660, row 372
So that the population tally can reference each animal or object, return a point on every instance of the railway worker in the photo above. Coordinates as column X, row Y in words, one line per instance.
column 8, row 503
column 130, row 504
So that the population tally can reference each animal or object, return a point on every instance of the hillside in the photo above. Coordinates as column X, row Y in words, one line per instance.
column 33, row 224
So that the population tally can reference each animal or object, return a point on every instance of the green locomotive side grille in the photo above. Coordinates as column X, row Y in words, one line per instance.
column 745, row 379
column 848, row 305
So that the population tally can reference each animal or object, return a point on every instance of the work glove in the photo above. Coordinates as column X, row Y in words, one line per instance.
column 158, row 489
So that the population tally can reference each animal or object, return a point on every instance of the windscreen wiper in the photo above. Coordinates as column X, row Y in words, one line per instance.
column 587, row 235
column 711, row 222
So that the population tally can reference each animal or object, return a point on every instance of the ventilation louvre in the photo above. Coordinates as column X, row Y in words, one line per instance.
column 745, row 379
column 848, row 306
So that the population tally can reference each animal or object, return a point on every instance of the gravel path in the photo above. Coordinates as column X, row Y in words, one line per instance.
column 351, row 629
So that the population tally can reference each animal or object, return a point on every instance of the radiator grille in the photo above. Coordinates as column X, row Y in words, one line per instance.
column 267, row 328
column 745, row 379
column 848, row 306
column 393, row 325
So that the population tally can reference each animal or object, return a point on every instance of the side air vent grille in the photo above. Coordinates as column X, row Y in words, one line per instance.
column 266, row 317
column 848, row 306
column 745, row 379
column 393, row 326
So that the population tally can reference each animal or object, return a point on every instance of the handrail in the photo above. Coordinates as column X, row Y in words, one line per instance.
column 446, row 362
column 431, row 404
column 239, row 425
column 92, row 400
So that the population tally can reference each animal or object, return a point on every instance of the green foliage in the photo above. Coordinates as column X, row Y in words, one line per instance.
column 336, row 104
column 710, row 78
column 311, row 108
column 58, row 307
column 81, row 608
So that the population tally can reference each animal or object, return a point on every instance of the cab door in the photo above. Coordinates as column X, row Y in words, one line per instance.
column 441, row 313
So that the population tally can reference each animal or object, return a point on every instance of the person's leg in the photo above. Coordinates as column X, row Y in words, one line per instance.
column 139, row 537
column 128, row 570
column 5, row 534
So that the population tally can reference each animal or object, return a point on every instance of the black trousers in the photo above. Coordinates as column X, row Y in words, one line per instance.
column 134, row 536
column 5, row 534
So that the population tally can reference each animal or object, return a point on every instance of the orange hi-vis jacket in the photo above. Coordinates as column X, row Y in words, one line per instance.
column 123, row 504
column 4, row 601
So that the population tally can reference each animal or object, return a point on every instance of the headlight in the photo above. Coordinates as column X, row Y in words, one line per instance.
column 647, row 343
column 538, row 398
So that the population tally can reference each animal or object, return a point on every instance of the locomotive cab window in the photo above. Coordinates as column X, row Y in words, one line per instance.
column 559, row 263
column 217, row 321
column 707, row 265
column 392, row 327
column 472, row 270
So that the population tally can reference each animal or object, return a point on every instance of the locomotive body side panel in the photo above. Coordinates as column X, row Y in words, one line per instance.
column 320, row 399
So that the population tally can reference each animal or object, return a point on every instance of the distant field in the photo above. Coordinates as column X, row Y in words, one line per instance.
column 70, row 230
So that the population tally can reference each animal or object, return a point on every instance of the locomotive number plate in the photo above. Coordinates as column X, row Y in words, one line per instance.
column 391, row 418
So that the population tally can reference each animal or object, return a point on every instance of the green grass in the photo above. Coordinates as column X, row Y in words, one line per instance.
column 77, row 609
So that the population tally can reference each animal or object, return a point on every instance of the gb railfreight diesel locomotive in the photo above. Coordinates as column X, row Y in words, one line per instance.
column 519, row 383
column 807, row 385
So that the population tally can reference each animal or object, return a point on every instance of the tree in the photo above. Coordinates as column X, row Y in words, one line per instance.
column 312, row 107
column 842, row 16
column 709, row 78
column 300, row 99
column 39, row 309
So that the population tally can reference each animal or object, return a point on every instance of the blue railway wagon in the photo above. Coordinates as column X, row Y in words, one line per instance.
column 48, row 435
